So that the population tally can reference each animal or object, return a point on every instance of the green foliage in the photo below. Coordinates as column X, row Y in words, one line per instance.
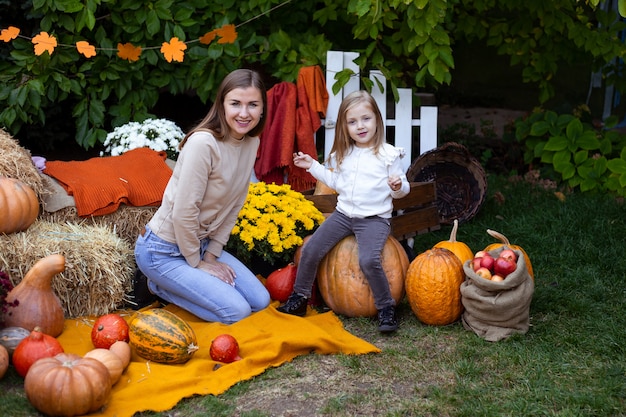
column 410, row 42
column 543, row 37
column 580, row 155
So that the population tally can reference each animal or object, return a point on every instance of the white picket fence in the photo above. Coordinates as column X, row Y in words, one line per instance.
column 403, row 122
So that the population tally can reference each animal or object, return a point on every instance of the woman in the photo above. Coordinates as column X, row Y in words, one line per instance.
column 181, row 249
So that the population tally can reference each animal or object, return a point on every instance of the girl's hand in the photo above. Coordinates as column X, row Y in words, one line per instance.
column 221, row 270
column 302, row 160
column 395, row 182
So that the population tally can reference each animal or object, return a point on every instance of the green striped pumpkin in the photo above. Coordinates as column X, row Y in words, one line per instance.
column 161, row 336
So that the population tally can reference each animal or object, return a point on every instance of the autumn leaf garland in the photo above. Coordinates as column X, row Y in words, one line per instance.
column 174, row 50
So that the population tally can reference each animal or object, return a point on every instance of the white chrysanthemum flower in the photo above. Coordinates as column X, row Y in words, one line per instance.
column 156, row 134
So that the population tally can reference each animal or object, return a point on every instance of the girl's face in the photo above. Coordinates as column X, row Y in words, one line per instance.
column 361, row 122
column 243, row 108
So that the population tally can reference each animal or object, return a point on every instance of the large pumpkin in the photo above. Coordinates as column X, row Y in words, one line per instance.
column 433, row 287
column 161, row 336
column 460, row 249
column 343, row 286
column 505, row 242
column 19, row 206
column 67, row 385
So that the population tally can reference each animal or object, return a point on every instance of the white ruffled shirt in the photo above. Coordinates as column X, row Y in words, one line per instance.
column 361, row 181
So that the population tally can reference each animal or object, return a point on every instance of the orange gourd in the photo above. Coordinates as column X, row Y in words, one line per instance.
column 38, row 305
column 36, row 346
column 161, row 336
column 343, row 286
column 110, row 360
column 4, row 361
column 460, row 249
column 505, row 242
column 280, row 282
column 67, row 385
column 433, row 287
column 19, row 206
column 123, row 351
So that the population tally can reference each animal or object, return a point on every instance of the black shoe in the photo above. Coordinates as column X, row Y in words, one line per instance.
column 387, row 321
column 295, row 305
column 140, row 296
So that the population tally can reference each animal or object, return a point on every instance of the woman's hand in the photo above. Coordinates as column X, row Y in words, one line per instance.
column 221, row 270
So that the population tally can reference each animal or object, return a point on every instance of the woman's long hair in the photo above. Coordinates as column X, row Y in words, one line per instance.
column 215, row 120
column 343, row 141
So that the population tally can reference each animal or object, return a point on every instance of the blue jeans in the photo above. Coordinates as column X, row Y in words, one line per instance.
column 371, row 235
column 206, row 296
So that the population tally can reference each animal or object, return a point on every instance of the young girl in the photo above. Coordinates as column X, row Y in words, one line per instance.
column 180, row 250
column 367, row 174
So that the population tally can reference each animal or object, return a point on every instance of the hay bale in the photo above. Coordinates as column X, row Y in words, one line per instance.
column 126, row 222
column 16, row 162
column 99, row 265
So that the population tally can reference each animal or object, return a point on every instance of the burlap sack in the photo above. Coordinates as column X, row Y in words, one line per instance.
column 496, row 310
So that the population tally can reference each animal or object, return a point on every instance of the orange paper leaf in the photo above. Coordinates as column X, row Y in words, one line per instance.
column 227, row 34
column 128, row 51
column 208, row 37
column 86, row 49
column 44, row 42
column 173, row 51
column 9, row 34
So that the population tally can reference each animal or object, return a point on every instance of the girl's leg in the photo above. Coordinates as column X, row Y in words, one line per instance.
column 371, row 235
column 331, row 231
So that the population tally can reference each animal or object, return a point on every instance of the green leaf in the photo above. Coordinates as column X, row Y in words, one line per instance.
column 153, row 24
column 556, row 143
column 617, row 165
column 539, row 128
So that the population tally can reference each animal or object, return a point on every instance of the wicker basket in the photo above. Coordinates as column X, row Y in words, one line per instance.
column 459, row 178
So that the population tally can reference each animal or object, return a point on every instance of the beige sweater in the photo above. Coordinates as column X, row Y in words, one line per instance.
column 205, row 193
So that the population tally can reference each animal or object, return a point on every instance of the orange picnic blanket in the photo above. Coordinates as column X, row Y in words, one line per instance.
column 266, row 339
column 99, row 185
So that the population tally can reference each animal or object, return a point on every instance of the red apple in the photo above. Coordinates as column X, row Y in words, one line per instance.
column 480, row 254
column 483, row 273
column 476, row 263
column 509, row 254
column 504, row 267
column 487, row 262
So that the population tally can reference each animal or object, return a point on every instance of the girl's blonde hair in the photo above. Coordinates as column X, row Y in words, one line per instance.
column 215, row 120
column 343, row 141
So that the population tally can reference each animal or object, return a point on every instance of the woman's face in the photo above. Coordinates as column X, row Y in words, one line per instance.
column 243, row 108
column 361, row 122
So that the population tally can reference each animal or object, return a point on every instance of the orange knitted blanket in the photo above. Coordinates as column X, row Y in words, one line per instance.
column 99, row 185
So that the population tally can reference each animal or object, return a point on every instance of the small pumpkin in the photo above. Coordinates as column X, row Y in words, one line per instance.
column 4, row 361
column 67, row 385
column 10, row 337
column 460, row 249
column 108, row 329
column 224, row 348
column 505, row 242
column 433, row 287
column 161, row 336
column 109, row 359
column 123, row 351
column 280, row 282
column 35, row 346
column 19, row 205
column 38, row 305
column 322, row 189
column 343, row 286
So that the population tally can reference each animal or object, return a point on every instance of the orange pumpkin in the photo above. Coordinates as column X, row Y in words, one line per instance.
column 114, row 363
column 67, row 385
column 19, row 206
column 343, row 286
column 433, row 287
column 4, row 361
column 460, row 249
column 505, row 242
column 280, row 282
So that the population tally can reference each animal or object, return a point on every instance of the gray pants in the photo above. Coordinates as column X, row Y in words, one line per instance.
column 371, row 235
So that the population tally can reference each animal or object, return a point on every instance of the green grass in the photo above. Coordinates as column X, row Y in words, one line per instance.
column 572, row 362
